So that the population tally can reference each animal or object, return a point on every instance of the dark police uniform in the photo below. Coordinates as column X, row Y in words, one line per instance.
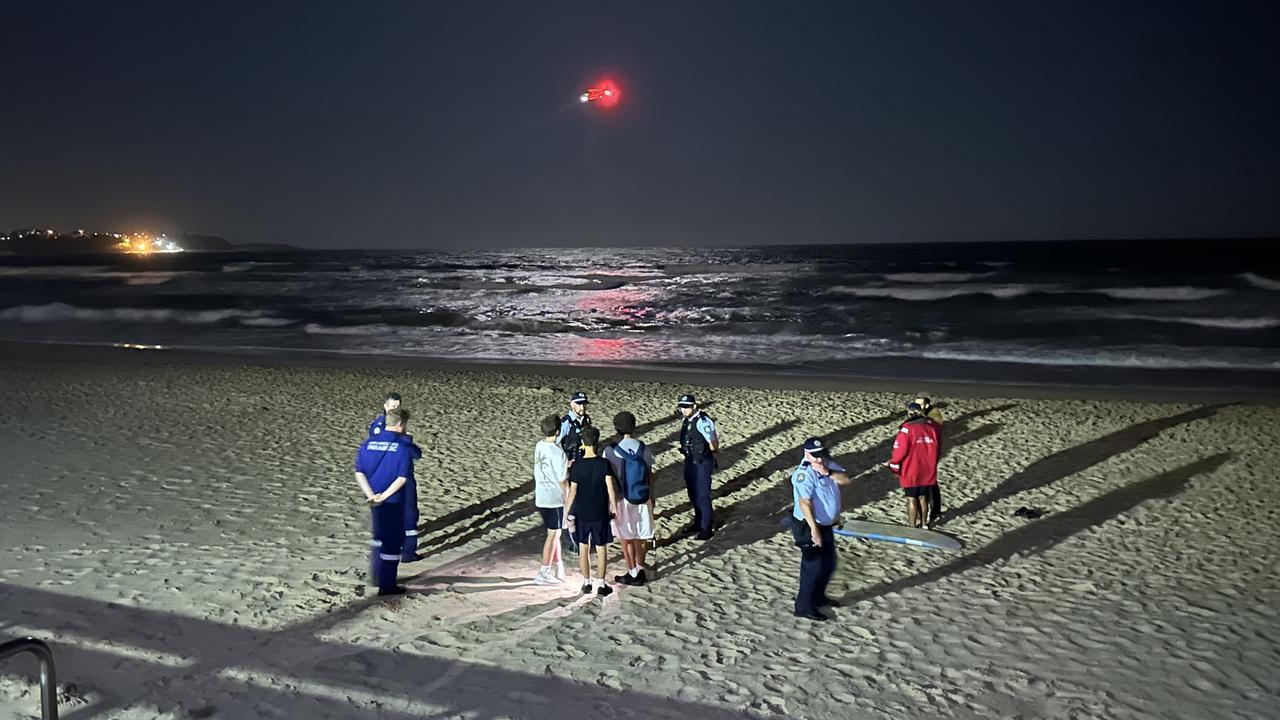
column 382, row 459
column 696, row 435
column 817, row 564
column 571, row 426
column 410, row 491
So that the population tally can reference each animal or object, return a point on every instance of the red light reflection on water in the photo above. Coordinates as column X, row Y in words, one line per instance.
column 589, row 349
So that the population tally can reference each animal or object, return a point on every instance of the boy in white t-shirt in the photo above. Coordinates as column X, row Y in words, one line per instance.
column 550, row 478
column 634, row 521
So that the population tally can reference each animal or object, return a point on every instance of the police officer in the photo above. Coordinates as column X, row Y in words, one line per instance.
column 383, row 466
column 698, row 443
column 410, row 503
column 571, row 425
column 816, row 490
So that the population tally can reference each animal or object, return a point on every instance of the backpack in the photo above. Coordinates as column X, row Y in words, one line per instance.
column 635, row 475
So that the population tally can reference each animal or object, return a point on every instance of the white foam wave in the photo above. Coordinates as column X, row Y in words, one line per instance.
column 924, row 294
column 62, row 312
column 1225, row 323
column 935, row 277
column 1166, row 293
column 374, row 329
column 1119, row 357
column 1259, row 281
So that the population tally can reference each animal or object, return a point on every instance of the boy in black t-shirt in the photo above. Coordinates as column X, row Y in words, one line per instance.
column 591, row 500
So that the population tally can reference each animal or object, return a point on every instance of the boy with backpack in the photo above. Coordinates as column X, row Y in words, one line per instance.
column 632, row 464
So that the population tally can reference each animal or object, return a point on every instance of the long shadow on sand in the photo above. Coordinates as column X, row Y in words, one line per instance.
column 1049, row 470
column 1042, row 535
column 224, row 670
column 783, row 461
column 751, row 520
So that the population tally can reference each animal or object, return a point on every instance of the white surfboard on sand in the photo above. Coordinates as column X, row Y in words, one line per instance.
column 888, row 532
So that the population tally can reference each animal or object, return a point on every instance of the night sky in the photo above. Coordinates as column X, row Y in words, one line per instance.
column 443, row 125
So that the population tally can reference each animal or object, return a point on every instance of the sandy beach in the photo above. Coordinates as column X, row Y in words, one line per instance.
column 187, row 534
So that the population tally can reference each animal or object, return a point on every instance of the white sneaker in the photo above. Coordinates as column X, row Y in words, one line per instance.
column 560, row 572
column 542, row 578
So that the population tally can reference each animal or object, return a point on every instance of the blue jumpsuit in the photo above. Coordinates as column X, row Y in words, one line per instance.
column 382, row 459
column 410, row 492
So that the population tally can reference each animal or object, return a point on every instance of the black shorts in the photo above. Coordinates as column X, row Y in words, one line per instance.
column 593, row 532
column 552, row 518
column 919, row 491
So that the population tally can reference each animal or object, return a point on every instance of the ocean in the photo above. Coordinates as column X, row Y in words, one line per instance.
column 1202, row 314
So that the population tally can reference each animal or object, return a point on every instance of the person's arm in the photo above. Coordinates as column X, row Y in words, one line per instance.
column 395, row 487
column 841, row 478
column 713, row 439
column 806, row 509
column 568, row 500
column 653, row 493
column 901, row 446
column 609, row 484
column 363, row 482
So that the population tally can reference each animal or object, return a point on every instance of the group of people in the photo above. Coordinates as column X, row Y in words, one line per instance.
column 598, row 491
column 607, row 488
column 816, row 508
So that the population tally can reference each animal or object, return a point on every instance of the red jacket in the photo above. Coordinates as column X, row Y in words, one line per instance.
column 916, row 449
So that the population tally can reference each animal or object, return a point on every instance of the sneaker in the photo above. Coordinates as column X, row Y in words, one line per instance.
column 560, row 572
column 586, row 588
column 604, row 590
column 396, row 590
column 639, row 579
column 543, row 578
column 812, row 615
column 623, row 579
column 707, row 535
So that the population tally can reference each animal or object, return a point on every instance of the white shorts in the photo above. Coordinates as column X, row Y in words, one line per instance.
column 634, row 522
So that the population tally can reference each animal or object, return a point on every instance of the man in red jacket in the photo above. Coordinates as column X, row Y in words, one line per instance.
column 915, row 460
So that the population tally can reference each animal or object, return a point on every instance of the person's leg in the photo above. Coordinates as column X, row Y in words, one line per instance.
column 375, row 547
column 926, row 508
column 391, row 526
column 691, row 487
column 640, row 553
column 584, row 562
column 911, row 511
column 628, row 553
column 602, row 560
column 810, row 564
column 827, row 567
column 410, row 551
column 548, row 548
column 935, row 502
column 703, row 490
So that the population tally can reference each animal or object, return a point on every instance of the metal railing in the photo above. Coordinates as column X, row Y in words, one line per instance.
column 48, row 675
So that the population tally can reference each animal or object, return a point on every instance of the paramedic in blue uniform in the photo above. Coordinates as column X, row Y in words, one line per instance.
column 816, row 489
column 698, row 443
column 410, row 554
column 383, row 466
column 571, row 425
